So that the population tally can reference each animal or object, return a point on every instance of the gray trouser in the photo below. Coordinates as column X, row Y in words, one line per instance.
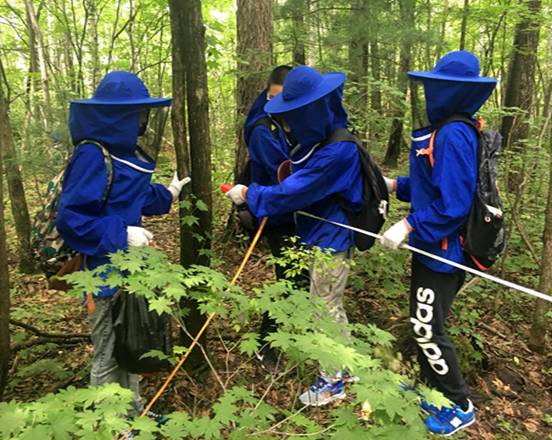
column 328, row 283
column 104, row 366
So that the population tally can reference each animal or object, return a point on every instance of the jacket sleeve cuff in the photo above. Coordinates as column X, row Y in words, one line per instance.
column 411, row 221
column 403, row 188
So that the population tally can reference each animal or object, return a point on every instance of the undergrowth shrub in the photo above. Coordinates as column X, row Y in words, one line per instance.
column 377, row 408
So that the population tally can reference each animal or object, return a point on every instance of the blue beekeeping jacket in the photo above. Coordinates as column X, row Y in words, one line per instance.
column 87, row 226
column 441, row 198
column 320, row 176
column 267, row 151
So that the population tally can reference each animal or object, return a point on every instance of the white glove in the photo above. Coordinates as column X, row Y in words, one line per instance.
column 237, row 194
column 137, row 236
column 396, row 234
column 176, row 185
column 391, row 184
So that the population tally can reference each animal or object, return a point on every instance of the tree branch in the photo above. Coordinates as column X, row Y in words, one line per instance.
column 44, row 334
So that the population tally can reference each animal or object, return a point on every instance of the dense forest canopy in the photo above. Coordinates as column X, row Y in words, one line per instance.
column 214, row 57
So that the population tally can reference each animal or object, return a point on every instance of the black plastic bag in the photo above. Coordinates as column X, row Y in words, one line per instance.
column 138, row 331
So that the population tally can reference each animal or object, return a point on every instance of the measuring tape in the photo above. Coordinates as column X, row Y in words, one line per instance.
column 487, row 276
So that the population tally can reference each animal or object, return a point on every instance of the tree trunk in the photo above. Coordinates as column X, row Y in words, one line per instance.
column 178, row 114
column 520, row 86
column 537, row 337
column 197, row 95
column 15, row 186
column 43, row 62
column 464, row 24
column 299, row 55
column 93, row 43
column 358, row 65
column 32, row 83
column 396, row 141
column 4, row 273
column 189, row 63
column 254, row 50
column 539, row 327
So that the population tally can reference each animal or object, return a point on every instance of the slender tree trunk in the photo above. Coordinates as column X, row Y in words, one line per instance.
column 358, row 64
column 539, row 327
column 15, row 186
column 254, row 50
column 520, row 85
column 537, row 337
column 93, row 43
column 396, row 140
column 43, row 62
column 190, row 80
column 442, row 35
column 375, row 66
column 32, row 83
column 464, row 24
column 520, row 92
column 198, row 124
column 4, row 273
column 178, row 113
column 299, row 55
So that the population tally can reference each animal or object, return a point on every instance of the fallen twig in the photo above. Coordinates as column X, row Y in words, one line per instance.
column 47, row 340
column 39, row 332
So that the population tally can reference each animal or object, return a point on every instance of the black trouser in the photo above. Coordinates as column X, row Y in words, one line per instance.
column 277, row 237
column 431, row 296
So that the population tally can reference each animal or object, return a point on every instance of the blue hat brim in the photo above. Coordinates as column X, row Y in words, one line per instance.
column 143, row 102
column 330, row 82
column 431, row 75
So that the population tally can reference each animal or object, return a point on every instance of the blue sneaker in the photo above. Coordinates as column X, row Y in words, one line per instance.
column 450, row 420
column 158, row 418
column 324, row 391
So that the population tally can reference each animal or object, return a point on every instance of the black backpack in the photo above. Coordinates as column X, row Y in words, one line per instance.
column 249, row 221
column 374, row 193
column 483, row 234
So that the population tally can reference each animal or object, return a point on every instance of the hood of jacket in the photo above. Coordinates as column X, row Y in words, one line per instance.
column 114, row 126
column 316, row 121
column 255, row 113
column 448, row 98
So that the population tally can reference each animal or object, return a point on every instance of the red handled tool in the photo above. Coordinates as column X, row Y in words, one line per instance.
column 225, row 187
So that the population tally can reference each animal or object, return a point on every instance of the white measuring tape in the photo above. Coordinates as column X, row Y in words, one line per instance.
column 487, row 276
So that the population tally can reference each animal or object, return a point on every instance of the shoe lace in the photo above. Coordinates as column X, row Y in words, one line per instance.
column 446, row 414
column 319, row 385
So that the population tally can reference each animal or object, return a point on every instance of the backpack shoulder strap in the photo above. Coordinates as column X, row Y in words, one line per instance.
column 268, row 123
column 456, row 118
column 340, row 135
column 108, row 166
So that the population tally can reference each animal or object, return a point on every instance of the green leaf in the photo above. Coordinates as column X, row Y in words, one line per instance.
column 249, row 343
column 189, row 220
column 201, row 205
column 160, row 304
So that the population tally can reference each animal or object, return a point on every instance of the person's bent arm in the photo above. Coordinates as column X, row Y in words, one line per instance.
column 326, row 173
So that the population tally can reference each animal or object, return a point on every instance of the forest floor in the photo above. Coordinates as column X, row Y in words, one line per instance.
column 511, row 385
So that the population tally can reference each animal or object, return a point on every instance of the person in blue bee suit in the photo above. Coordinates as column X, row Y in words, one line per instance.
column 441, row 189
column 114, row 117
column 311, row 105
column 268, row 147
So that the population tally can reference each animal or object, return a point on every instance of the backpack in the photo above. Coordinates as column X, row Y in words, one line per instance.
column 247, row 219
column 374, row 193
column 483, row 235
column 49, row 249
